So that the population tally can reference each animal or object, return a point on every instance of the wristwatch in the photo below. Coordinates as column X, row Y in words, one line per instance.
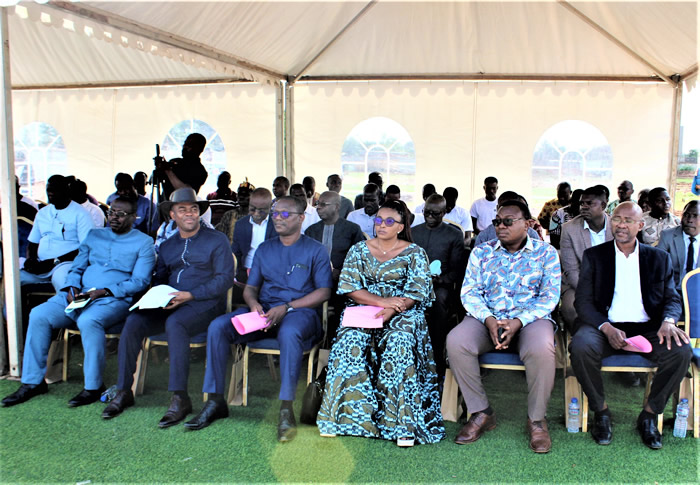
column 56, row 261
column 288, row 307
column 669, row 320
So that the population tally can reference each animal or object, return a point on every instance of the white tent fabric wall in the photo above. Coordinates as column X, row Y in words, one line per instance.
column 463, row 132
column 106, row 131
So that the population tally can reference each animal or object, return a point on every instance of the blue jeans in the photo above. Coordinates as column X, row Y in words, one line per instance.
column 92, row 322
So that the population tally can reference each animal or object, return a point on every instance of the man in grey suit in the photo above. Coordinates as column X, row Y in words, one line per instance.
column 682, row 243
column 590, row 228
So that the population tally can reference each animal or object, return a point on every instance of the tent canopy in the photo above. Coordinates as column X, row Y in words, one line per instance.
column 115, row 43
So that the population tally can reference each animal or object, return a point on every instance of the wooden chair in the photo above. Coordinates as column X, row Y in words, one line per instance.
column 270, row 347
column 691, row 302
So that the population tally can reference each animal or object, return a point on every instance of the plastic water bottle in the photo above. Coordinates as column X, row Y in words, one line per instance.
column 681, row 424
column 109, row 394
column 573, row 418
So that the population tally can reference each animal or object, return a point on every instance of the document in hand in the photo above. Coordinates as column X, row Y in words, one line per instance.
column 637, row 344
column 362, row 317
column 248, row 322
column 157, row 297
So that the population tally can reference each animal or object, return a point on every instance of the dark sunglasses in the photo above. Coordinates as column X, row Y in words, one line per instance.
column 389, row 221
column 433, row 213
column 506, row 222
column 284, row 214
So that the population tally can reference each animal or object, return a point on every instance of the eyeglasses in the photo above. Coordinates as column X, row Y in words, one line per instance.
column 119, row 214
column 284, row 214
column 252, row 208
column 626, row 220
column 506, row 222
column 389, row 221
column 433, row 213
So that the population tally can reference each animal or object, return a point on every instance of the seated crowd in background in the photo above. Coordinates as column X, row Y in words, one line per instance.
column 436, row 275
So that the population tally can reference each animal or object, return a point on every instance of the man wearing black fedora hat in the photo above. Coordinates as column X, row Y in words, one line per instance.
column 197, row 262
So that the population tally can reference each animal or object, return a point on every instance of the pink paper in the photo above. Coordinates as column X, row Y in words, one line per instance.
column 362, row 317
column 637, row 344
column 248, row 322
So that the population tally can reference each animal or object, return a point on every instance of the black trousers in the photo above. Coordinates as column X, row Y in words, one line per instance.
column 440, row 324
column 589, row 346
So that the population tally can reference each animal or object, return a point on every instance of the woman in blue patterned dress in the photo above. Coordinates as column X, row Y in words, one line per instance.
column 382, row 383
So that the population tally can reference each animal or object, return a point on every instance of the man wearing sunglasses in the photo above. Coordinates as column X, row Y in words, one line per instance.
column 510, row 289
column 289, row 281
column 250, row 231
column 112, row 265
column 442, row 242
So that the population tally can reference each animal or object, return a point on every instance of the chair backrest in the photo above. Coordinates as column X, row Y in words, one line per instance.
column 691, row 301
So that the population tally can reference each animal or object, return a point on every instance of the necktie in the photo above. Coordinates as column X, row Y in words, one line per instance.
column 689, row 263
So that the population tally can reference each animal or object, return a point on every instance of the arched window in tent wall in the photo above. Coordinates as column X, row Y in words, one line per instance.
column 379, row 145
column 573, row 151
column 39, row 154
column 214, row 155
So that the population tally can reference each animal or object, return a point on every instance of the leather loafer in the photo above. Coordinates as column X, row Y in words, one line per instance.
column 287, row 426
column 540, row 442
column 86, row 397
column 25, row 393
column 649, row 432
column 122, row 400
column 178, row 410
column 212, row 411
column 476, row 426
column 602, row 429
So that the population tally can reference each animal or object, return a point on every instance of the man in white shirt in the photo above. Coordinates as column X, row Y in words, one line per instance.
column 483, row 211
column 428, row 190
column 365, row 217
column 626, row 289
column 456, row 214
column 310, row 213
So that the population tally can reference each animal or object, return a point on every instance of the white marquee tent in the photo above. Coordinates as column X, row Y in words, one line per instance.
column 473, row 86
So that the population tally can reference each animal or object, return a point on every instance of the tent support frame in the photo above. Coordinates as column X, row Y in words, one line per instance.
column 9, row 208
column 674, row 148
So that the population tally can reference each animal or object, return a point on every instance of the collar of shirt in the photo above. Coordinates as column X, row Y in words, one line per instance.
column 634, row 254
column 528, row 246
column 262, row 224
column 602, row 231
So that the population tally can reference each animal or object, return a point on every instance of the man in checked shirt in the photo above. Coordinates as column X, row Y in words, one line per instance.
column 510, row 288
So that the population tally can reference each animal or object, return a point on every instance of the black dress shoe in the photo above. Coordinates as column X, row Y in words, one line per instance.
column 649, row 432
column 86, row 397
column 25, row 393
column 287, row 426
column 602, row 429
column 212, row 411
column 179, row 409
column 122, row 400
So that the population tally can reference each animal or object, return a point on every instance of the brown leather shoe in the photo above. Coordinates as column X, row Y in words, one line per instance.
column 122, row 400
column 540, row 442
column 179, row 409
column 476, row 426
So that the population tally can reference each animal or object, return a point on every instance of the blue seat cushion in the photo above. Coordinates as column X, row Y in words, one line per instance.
column 500, row 358
column 271, row 344
column 200, row 338
column 627, row 359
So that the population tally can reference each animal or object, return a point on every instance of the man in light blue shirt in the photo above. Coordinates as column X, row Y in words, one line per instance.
column 113, row 264
column 510, row 288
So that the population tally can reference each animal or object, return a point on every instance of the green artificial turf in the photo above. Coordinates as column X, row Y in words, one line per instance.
column 45, row 441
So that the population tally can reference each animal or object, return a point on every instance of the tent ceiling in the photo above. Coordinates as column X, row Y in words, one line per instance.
column 368, row 39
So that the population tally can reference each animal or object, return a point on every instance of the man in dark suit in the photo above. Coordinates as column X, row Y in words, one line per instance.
column 626, row 289
column 682, row 243
column 590, row 228
column 337, row 235
column 250, row 231
column 442, row 242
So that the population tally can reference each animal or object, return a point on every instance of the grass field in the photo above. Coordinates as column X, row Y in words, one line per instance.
column 45, row 441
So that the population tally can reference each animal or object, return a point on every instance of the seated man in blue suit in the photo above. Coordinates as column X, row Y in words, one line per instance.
column 682, row 243
column 112, row 265
column 625, row 289
column 252, row 230
column 289, row 280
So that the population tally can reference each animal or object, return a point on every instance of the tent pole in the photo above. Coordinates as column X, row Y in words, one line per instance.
column 279, row 127
column 9, row 207
column 675, row 139
column 289, row 130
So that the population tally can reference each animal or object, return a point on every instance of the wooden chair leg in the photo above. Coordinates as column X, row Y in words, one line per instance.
column 696, row 401
column 584, row 413
column 66, row 336
column 572, row 389
column 245, row 376
column 141, row 367
column 310, row 369
column 271, row 365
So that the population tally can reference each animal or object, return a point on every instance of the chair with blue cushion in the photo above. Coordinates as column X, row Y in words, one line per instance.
column 691, row 302
column 270, row 347
column 113, row 332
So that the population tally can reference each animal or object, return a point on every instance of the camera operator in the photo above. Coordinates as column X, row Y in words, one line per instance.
column 187, row 171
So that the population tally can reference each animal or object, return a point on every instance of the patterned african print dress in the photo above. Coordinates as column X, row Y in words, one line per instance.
column 382, row 383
